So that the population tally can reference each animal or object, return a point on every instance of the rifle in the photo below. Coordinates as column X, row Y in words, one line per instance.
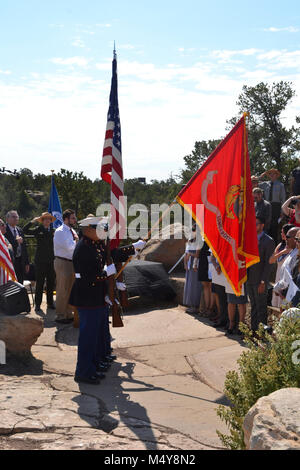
column 116, row 309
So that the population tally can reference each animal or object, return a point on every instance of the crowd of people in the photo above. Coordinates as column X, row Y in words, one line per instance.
column 76, row 266
column 274, row 281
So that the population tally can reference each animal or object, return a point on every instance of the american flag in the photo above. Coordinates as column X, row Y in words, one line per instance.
column 7, row 271
column 111, row 167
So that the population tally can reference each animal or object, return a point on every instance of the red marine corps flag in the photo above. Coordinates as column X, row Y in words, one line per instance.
column 223, row 186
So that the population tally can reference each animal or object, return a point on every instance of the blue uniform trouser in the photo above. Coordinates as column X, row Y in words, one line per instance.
column 92, row 342
column 106, row 340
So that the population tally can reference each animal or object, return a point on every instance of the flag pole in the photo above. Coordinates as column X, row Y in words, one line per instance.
column 146, row 239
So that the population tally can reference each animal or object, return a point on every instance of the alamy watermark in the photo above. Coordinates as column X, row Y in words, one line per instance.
column 296, row 354
column 139, row 221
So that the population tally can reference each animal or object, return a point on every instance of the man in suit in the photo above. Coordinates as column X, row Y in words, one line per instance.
column 263, row 208
column 274, row 192
column 259, row 276
column 15, row 236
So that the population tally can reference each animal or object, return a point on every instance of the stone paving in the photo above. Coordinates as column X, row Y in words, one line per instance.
column 161, row 393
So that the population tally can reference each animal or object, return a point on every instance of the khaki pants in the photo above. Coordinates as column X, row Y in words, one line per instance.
column 64, row 281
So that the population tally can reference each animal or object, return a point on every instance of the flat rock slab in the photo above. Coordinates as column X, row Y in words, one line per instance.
column 174, row 357
column 181, row 404
column 161, row 326
column 151, row 398
column 42, row 417
column 31, row 405
column 212, row 366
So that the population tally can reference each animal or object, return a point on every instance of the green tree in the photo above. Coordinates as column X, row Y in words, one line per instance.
column 194, row 160
column 76, row 192
column 25, row 206
column 271, row 144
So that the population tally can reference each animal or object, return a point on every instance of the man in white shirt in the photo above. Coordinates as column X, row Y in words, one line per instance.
column 65, row 239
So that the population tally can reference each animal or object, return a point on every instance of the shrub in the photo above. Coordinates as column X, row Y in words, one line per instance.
column 267, row 366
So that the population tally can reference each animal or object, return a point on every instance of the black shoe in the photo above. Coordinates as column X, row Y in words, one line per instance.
column 229, row 331
column 94, row 380
column 100, row 375
column 101, row 368
column 111, row 358
column 105, row 364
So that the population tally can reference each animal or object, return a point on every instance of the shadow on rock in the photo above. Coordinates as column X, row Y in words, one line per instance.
column 116, row 399
column 21, row 364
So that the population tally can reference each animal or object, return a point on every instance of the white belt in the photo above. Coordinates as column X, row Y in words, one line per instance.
column 77, row 275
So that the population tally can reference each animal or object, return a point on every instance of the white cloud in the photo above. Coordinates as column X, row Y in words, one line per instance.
column 70, row 61
column 280, row 59
column 164, row 110
column 103, row 25
column 288, row 29
column 78, row 42
column 225, row 55
column 5, row 72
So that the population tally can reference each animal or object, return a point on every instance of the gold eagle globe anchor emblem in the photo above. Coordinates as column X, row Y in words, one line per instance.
column 234, row 202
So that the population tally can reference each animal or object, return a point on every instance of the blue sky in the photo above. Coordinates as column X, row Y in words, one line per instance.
column 181, row 68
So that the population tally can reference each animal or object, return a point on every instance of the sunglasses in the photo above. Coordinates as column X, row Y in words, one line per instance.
column 291, row 236
column 297, row 240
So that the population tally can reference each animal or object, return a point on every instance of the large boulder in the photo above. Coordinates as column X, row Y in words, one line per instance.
column 273, row 423
column 19, row 332
column 168, row 248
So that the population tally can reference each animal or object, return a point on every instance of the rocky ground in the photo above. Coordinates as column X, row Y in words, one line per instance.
column 161, row 393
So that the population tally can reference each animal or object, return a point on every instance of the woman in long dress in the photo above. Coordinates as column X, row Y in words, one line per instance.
column 192, row 287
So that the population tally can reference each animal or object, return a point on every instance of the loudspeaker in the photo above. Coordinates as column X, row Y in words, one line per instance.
column 14, row 298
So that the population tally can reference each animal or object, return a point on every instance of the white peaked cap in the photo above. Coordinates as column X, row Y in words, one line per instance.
column 93, row 221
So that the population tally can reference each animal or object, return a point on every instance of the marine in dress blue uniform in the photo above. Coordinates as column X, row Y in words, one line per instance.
column 88, row 295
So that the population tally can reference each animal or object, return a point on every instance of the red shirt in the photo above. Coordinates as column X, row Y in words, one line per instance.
column 293, row 219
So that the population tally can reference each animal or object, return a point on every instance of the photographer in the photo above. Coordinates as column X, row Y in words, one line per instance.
column 293, row 214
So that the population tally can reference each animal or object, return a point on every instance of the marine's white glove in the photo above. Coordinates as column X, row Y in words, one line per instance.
column 107, row 300
column 110, row 270
column 139, row 245
column 121, row 286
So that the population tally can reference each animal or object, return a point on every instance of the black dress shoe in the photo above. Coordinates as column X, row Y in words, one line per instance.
column 100, row 375
column 105, row 364
column 111, row 358
column 102, row 369
column 229, row 331
column 93, row 380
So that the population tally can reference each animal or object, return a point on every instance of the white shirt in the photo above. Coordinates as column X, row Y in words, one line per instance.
column 289, row 263
column 64, row 243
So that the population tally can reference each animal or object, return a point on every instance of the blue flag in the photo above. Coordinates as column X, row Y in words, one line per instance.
column 54, row 205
